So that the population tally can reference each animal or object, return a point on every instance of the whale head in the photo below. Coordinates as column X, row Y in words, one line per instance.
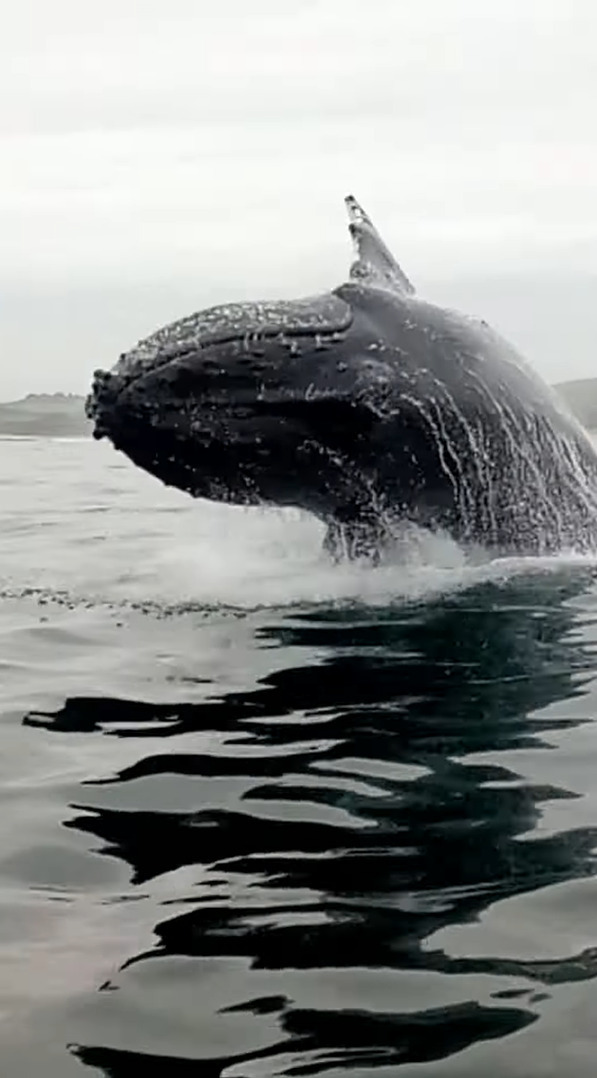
column 269, row 402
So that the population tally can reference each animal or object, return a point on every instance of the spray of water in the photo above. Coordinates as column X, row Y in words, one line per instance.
column 89, row 528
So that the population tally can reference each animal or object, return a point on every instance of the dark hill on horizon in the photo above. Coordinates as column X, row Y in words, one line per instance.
column 50, row 415
column 581, row 397
column 62, row 415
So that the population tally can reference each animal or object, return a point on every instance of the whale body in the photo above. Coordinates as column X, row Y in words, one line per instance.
column 367, row 406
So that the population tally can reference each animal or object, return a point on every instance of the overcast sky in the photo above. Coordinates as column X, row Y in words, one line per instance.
column 157, row 157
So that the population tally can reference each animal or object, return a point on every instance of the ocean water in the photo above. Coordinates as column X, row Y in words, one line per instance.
column 262, row 816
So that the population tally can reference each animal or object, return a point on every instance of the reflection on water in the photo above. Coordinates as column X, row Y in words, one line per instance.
column 337, row 820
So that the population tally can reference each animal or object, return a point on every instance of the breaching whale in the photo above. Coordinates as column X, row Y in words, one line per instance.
column 367, row 406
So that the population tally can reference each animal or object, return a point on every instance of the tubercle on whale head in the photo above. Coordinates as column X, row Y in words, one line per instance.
column 242, row 327
column 103, row 396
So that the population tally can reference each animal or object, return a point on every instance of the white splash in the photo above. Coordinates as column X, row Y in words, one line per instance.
column 87, row 527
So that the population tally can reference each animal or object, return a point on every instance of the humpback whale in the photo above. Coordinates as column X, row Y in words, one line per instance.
column 368, row 406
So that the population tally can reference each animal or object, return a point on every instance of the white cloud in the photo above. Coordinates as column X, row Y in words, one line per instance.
column 151, row 151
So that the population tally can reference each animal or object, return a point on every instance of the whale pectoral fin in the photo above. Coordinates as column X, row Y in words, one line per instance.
column 374, row 262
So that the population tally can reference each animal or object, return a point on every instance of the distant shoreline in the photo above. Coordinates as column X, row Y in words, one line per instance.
column 44, row 437
column 62, row 415
column 45, row 415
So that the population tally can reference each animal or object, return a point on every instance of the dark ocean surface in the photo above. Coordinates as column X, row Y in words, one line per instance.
column 261, row 816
